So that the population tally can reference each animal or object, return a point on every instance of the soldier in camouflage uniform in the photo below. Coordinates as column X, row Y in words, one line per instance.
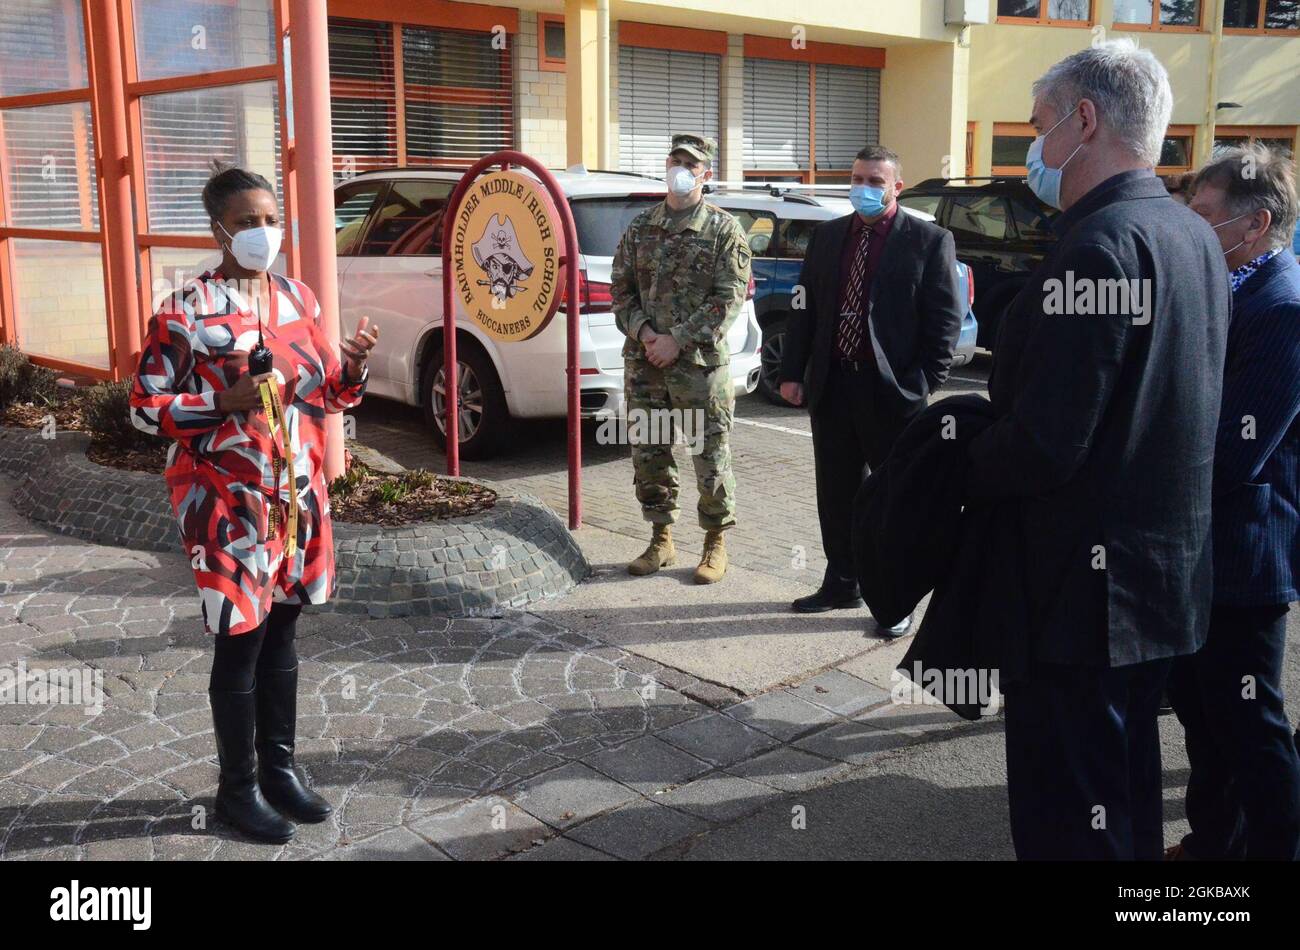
column 679, row 281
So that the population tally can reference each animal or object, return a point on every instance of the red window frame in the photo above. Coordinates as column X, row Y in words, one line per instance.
column 546, row 63
column 1044, row 20
column 1260, row 30
column 1155, row 26
column 86, row 235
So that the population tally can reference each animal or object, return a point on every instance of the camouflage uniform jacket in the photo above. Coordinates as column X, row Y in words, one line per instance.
column 687, row 277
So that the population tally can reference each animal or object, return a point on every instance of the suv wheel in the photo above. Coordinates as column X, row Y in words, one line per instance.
column 481, row 402
column 769, row 377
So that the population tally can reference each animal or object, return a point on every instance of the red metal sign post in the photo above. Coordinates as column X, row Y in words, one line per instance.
column 569, row 260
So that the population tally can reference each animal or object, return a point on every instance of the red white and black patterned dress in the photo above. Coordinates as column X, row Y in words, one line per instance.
column 220, row 470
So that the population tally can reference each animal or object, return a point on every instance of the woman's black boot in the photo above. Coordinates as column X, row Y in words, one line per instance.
column 277, row 719
column 239, row 800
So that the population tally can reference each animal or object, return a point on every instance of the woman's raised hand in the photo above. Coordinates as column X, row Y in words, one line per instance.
column 356, row 349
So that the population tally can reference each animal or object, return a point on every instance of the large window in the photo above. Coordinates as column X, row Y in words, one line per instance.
column 48, row 160
column 1262, row 16
column 847, row 116
column 363, row 96
column 806, row 122
column 184, row 132
column 1280, row 138
column 42, row 47
column 1047, row 12
column 203, row 36
column 1176, row 15
column 1011, row 141
column 778, row 107
column 416, row 95
column 662, row 92
column 51, row 246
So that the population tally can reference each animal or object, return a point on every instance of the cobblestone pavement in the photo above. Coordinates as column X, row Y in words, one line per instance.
column 436, row 739
column 489, row 738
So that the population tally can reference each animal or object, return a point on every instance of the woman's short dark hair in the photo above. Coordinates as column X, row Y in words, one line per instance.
column 228, row 180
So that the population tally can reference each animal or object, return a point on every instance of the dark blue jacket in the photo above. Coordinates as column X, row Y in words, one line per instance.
column 1257, row 455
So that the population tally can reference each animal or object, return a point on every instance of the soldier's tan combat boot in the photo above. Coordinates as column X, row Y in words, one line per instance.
column 661, row 553
column 713, row 563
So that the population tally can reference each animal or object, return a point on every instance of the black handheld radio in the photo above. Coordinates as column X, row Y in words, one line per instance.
column 259, row 360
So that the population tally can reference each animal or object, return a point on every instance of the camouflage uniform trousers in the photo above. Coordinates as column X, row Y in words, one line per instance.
column 685, row 387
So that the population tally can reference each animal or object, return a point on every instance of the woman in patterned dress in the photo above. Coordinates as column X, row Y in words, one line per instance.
column 233, row 473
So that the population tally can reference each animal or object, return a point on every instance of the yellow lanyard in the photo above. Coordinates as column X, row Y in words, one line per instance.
column 274, row 409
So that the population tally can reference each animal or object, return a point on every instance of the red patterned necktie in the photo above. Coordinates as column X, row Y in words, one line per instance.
column 851, row 322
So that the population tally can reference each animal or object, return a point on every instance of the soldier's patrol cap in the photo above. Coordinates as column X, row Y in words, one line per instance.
column 697, row 146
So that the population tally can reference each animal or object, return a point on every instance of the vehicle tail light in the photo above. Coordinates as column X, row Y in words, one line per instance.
column 595, row 296
column 749, row 290
column 970, row 288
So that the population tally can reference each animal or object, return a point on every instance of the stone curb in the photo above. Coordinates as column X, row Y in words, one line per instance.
column 513, row 555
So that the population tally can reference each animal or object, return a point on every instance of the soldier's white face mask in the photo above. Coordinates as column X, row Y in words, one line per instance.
column 681, row 181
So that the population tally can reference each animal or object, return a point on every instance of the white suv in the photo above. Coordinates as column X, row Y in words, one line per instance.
column 388, row 226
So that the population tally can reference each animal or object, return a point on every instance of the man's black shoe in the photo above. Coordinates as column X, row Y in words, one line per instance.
column 825, row 600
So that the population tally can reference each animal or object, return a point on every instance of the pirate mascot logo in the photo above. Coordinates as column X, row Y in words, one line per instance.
column 501, row 258
column 505, row 255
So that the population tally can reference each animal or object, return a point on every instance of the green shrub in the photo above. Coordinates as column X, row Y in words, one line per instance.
column 107, row 413
column 21, row 380
column 347, row 483
column 420, row 478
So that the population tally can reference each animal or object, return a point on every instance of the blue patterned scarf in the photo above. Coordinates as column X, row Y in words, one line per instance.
column 1242, row 273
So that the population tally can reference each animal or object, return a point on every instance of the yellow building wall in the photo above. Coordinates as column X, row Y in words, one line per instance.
column 923, row 104
column 1259, row 72
column 1262, row 73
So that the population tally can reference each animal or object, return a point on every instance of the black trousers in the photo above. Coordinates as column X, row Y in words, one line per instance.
column 1243, row 795
column 270, row 646
column 852, row 433
column 1083, row 762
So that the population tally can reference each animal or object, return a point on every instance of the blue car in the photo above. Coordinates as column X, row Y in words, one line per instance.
column 779, row 223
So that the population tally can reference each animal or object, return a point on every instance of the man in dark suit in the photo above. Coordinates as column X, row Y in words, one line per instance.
column 1243, row 795
column 876, row 335
column 1106, row 382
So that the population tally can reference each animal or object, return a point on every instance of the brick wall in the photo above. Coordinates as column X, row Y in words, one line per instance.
column 540, row 100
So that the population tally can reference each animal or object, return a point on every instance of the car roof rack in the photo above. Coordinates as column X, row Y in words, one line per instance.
column 583, row 170
column 941, row 182
column 789, row 190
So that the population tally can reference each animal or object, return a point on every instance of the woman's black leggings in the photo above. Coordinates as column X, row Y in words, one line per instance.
column 237, row 659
